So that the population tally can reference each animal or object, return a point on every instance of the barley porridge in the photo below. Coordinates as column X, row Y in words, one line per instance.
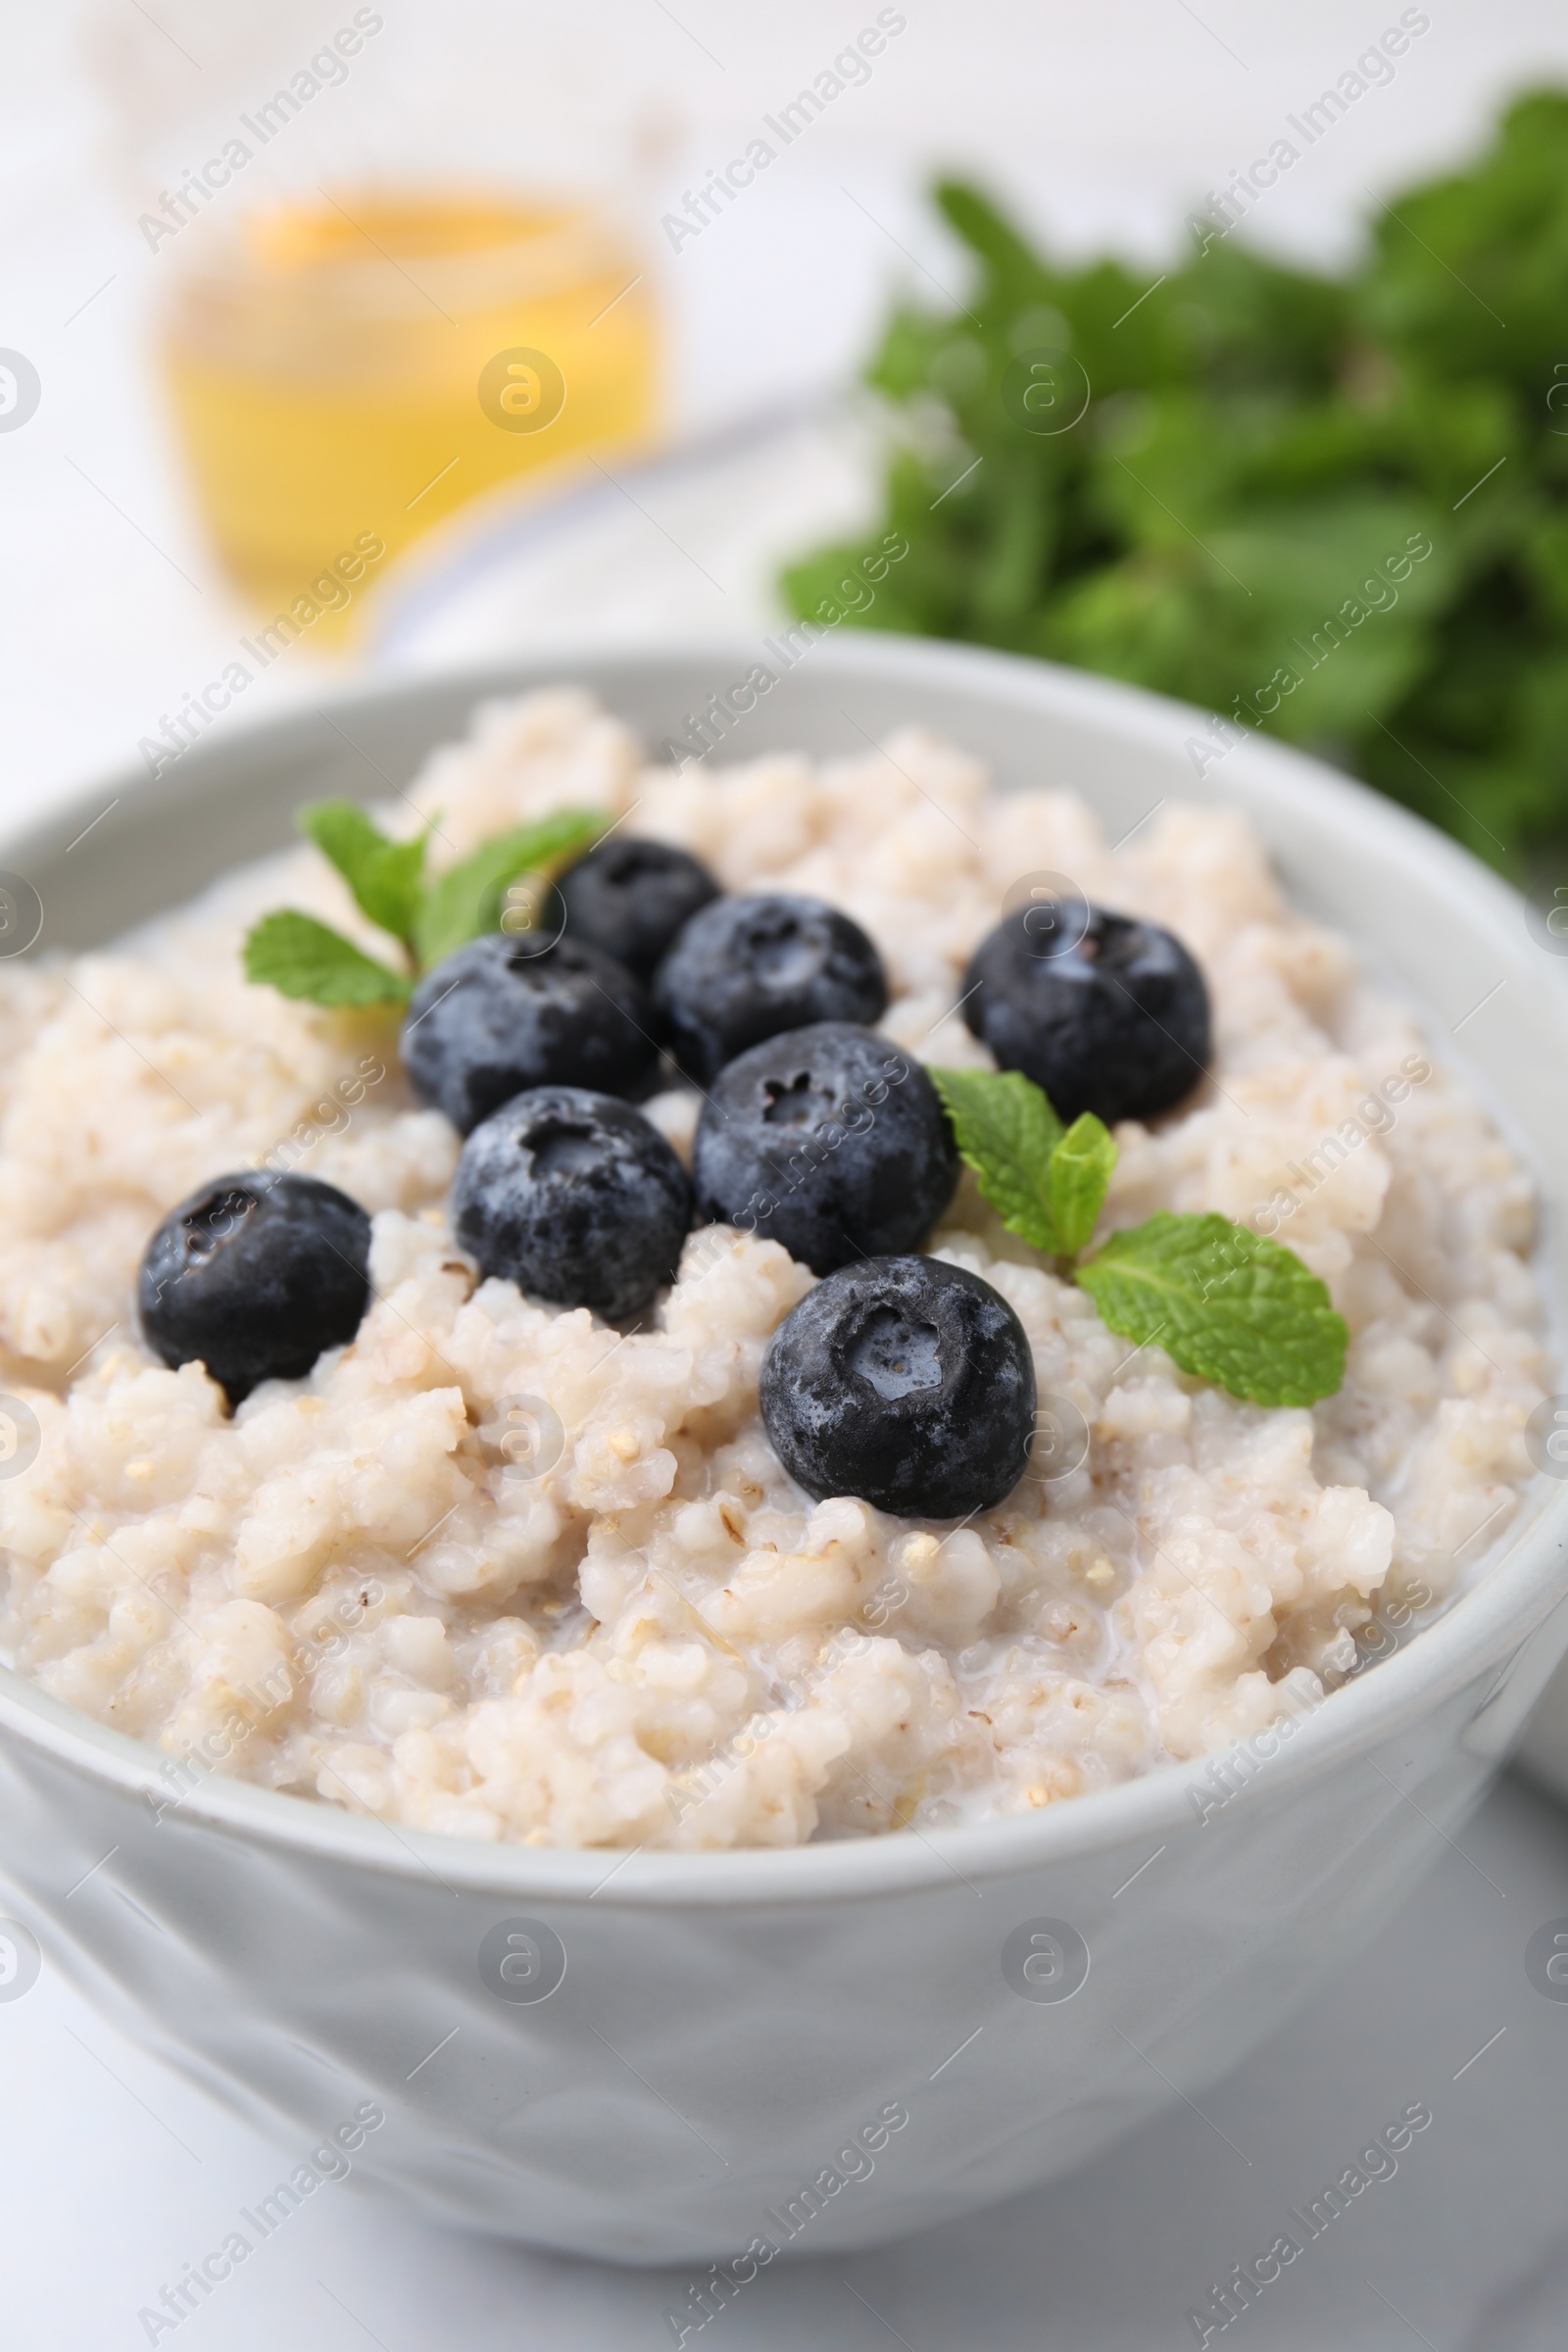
column 644, row 1632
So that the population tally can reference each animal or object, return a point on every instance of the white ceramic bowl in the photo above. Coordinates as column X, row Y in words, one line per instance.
column 729, row 2026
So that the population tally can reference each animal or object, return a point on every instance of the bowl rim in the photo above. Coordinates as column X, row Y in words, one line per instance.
column 1485, row 1625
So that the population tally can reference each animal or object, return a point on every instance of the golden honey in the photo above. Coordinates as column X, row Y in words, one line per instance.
column 356, row 368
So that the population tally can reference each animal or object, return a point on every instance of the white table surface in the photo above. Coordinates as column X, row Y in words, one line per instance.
column 1104, row 125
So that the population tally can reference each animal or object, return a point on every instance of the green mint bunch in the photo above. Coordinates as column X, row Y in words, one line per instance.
column 1332, row 506
column 1226, row 1303
column 427, row 916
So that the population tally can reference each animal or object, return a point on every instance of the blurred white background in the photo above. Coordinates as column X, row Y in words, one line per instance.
column 1104, row 125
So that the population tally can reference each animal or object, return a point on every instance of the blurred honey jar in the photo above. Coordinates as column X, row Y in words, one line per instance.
column 349, row 370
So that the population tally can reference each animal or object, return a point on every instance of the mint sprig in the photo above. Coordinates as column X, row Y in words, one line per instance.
column 301, row 958
column 384, row 875
column 1078, row 1177
column 1226, row 1303
column 1006, row 1131
column 468, row 899
column 428, row 918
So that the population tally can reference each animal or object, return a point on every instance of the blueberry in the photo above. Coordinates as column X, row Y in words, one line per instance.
column 1114, row 1021
column 828, row 1140
column 497, row 1017
column 631, row 897
column 255, row 1275
column 573, row 1197
column 906, row 1382
column 744, row 969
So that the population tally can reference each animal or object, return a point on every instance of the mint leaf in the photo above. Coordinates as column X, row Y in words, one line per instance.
column 1077, row 1180
column 1225, row 1302
column 467, row 898
column 1006, row 1131
column 384, row 875
column 301, row 958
